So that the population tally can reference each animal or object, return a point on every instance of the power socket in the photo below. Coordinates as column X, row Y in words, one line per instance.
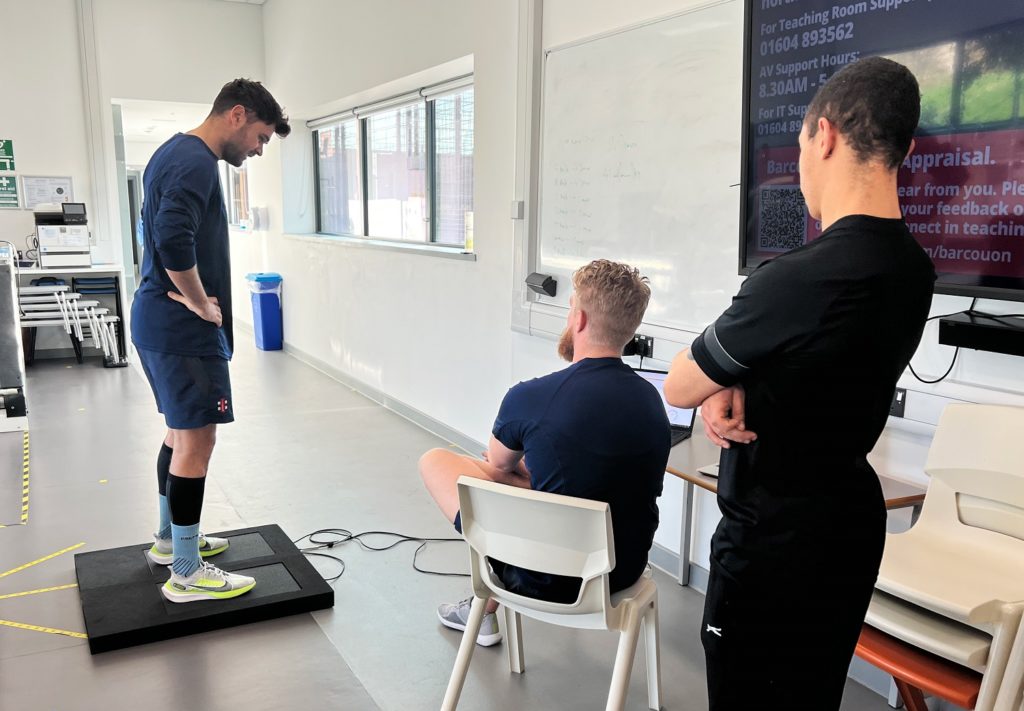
column 644, row 345
column 899, row 403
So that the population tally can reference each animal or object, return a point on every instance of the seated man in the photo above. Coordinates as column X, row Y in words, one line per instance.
column 595, row 430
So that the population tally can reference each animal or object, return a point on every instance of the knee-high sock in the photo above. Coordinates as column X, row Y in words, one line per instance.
column 185, row 497
column 163, row 468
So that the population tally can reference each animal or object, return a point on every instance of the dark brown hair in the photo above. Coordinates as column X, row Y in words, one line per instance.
column 257, row 101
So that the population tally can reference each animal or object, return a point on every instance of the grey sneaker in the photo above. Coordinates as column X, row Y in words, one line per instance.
column 208, row 582
column 455, row 616
column 162, row 551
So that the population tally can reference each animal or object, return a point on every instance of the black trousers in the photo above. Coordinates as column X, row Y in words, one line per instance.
column 784, row 644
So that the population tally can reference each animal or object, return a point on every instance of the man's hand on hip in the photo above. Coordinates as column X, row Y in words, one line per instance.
column 209, row 310
column 724, row 417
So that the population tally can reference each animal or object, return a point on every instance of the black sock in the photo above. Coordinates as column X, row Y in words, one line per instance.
column 163, row 468
column 185, row 499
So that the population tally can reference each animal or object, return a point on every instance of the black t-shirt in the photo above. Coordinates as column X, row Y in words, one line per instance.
column 818, row 337
column 599, row 431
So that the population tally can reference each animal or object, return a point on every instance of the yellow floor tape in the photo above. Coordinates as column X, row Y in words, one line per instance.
column 37, row 628
column 40, row 590
column 24, row 479
column 45, row 558
column 24, row 483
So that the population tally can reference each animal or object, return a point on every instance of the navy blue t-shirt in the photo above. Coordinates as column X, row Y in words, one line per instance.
column 599, row 431
column 184, row 225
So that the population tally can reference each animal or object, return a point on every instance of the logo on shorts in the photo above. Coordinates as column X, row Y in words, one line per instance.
column 717, row 631
column 222, row 405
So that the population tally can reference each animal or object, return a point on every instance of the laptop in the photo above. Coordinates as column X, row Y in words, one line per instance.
column 680, row 418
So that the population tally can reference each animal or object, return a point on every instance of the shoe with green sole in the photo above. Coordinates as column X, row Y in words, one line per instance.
column 208, row 582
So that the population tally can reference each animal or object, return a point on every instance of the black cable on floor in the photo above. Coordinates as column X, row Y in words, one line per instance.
column 326, row 538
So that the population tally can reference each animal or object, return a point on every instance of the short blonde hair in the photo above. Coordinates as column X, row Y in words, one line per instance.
column 614, row 296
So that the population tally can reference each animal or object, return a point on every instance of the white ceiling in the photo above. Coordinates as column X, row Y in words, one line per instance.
column 248, row 2
column 156, row 121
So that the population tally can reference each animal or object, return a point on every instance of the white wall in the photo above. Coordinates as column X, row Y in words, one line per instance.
column 181, row 51
column 430, row 332
column 138, row 153
column 43, row 111
column 42, row 99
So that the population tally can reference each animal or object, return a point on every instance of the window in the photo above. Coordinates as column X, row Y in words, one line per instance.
column 234, row 183
column 453, row 166
column 340, row 186
column 396, row 169
column 401, row 170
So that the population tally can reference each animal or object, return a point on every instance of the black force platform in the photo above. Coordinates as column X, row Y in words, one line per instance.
column 123, row 606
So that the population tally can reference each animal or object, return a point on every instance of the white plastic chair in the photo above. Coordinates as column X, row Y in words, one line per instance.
column 560, row 535
column 961, row 567
column 1011, row 691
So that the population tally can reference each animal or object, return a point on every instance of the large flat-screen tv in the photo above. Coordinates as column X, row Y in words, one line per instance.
column 962, row 190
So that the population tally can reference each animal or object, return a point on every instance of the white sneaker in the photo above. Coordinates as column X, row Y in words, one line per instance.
column 208, row 582
column 455, row 616
column 162, row 551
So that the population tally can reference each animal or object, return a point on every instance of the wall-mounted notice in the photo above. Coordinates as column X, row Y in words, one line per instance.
column 8, row 192
column 41, row 189
column 962, row 190
column 6, row 154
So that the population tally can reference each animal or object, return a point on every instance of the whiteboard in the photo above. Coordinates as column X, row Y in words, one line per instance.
column 640, row 160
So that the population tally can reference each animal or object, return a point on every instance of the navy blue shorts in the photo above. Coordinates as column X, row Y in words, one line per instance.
column 190, row 391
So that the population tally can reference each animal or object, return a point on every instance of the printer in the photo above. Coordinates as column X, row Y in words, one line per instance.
column 63, row 235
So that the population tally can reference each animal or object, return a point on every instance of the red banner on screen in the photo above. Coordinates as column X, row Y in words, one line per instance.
column 962, row 197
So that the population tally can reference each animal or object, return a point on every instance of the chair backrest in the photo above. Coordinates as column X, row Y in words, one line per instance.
column 976, row 463
column 548, row 533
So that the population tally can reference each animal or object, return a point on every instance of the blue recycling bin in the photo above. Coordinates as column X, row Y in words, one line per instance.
column 265, row 289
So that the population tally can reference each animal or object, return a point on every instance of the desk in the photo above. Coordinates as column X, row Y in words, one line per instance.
column 698, row 451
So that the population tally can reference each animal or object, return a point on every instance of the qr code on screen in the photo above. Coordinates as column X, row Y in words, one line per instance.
column 781, row 218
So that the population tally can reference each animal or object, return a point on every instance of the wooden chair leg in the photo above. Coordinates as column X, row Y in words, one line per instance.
column 912, row 697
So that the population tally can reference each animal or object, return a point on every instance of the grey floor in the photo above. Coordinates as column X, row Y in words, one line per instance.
column 306, row 453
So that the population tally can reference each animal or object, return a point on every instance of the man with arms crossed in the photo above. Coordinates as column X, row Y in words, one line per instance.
column 595, row 430
column 815, row 342
column 181, row 322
